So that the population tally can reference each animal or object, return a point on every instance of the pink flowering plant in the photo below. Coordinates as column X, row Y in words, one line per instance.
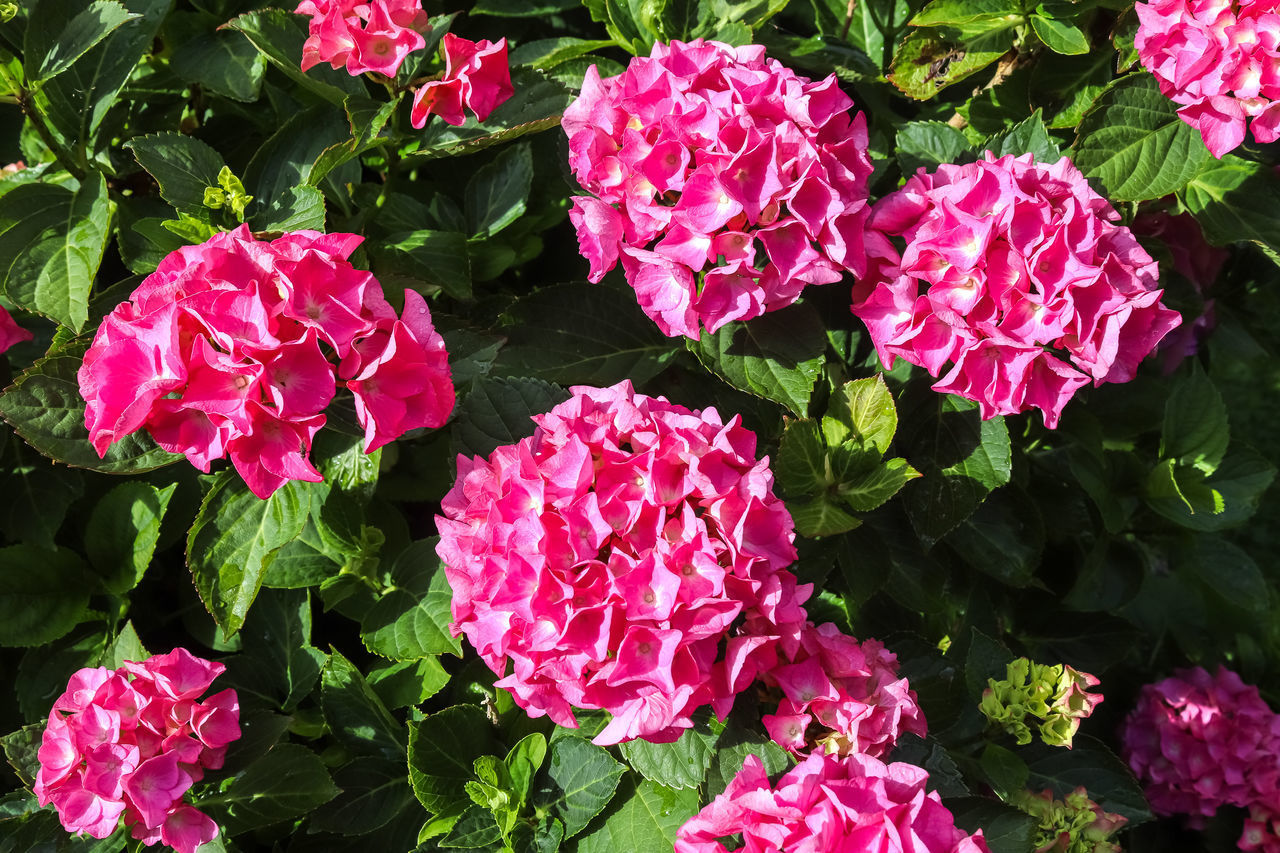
column 577, row 426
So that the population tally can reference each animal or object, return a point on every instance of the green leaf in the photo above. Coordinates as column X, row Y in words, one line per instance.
column 1003, row 538
column 1060, row 36
column 1235, row 199
column 577, row 781
column 51, row 244
column 44, row 406
column 355, row 714
column 962, row 458
column 742, row 737
column 777, row 356
column 1004, row 828
column 442, row 750
column 440, row 258
column 412, row 620
column 523, row 762
column 1224, row 499
column 1027, row 136
column 820, row 517
column 927, row 145
column 233, row 540
column 122, row 533
column 20, row 750
column 1134, row 144
column 38, row 495
column 183, row 167
column 43, row 594
column 1090, row 764
column 643, row 818
column 476, row 828
column 225, row 63
column 863, row 412
column 284, row 784
column 1006, row 772
column 1195, row 430
column 498, row 411
column 926, row 753
column 53, row 43
column 682, row 763
column 960, row 12
column 278, row 663
column 543, row 54
column 803, row 466
column 497, row 192
column 404, row 683
column 1227, row 571
column 374, row 791
column 581, row 333
column 279, row 36
column 925, row 62
column 867, row 491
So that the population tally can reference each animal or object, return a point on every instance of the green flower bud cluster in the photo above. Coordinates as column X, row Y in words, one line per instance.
column 1055, row 695
column 229, row 193
column 1074, row 825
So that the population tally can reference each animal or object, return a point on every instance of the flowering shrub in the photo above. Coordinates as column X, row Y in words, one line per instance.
column 476, row 76
column 828, row 804
column 849, row 692
column 1217, row 60
column 218, row 353
column 723, row 181
column 1006, row 259
column 131, row 742
column 609, row 556
column 363, row 35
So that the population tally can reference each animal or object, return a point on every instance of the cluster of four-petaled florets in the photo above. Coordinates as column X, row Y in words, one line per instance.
column 376, row 36
column 131, row 742
column 227, row 349
column 725, row 184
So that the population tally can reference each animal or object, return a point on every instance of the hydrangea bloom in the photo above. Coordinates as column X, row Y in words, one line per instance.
column 131, row 742
column 10, row 332
column 1218, row 59
column 477, row 76
column 1008, row 266
column 1074, row 824
column 608, row 557
column 1056, row 695
column 844, row 695
column 827, row 805
column 219, row 352
column 723, row 181
column 1198, row 742
column 363, row 35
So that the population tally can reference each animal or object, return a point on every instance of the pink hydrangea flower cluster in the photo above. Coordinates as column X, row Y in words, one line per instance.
column 1218, row 59
column 131, row 742
column 630, row 555
column 10, row 332
column 724, row 182
column 1001, row 268
column 218, row 353
column 477, row 76
column 363, row 35
column 842, row 695
column 1199, row 741
column 828, row 805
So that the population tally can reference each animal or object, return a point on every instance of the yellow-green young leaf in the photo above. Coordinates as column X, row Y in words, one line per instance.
column 1060, row 36
column 44, row 406
column 1133, row 143
column 235, row 536
column 862, row 411
column 926, row 62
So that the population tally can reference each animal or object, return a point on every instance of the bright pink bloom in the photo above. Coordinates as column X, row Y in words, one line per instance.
column 477, row 76
column 1198, row 742
column 10, row 332
column 1218, row 59
column 848, row 691
column 1003, row 260
column 604, row 560
column 723, row 181
column 229, row 349
column 131, row 743
column 826, row 804
column 363, row 35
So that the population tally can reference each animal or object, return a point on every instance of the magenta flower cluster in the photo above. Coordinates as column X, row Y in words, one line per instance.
column 825, row 805
column 1218, row 59
column 841, row 694
column 1000, row 269
column 218, row 352
column 1199, row 741
column 363, row 35
column 724, row 182
column 608, row 557
column 131, row 742
column 10, row 332
column 477, row 76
